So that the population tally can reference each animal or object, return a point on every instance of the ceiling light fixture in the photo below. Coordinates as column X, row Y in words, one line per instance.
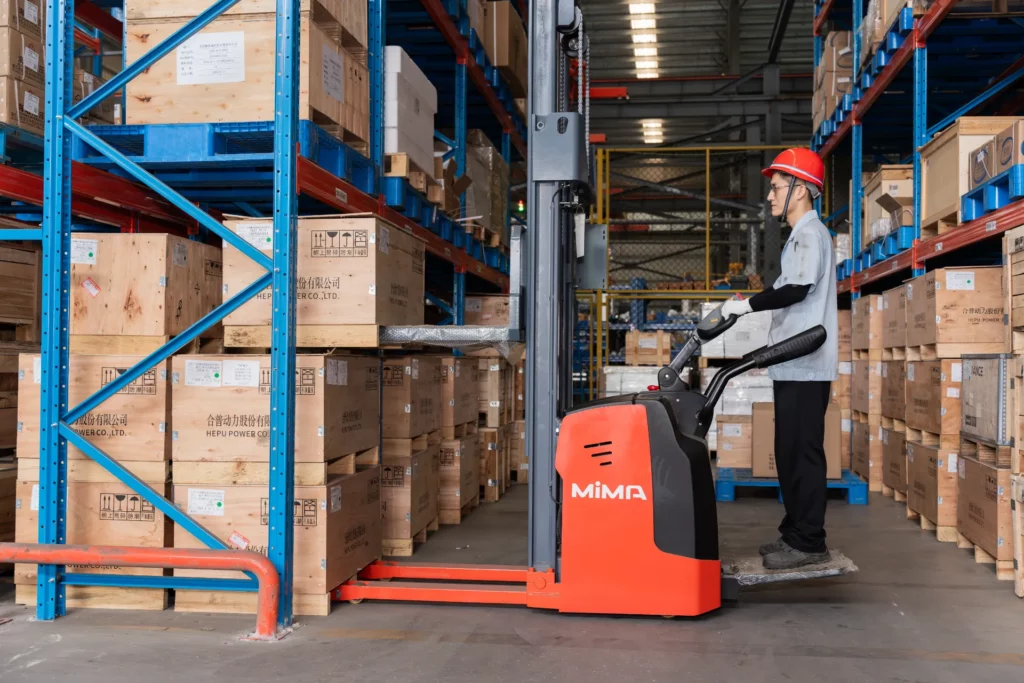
column 645, row 52
column 654, row 141
column 641, row 8
column 643, row 23
column 647, row 64
column 645, row 38
column 651, row 124
column 646, row 74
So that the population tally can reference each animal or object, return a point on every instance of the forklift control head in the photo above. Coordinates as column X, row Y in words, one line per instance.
column 714, row 324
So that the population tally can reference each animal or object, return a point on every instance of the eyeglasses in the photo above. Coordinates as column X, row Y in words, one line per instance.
column 777, row 188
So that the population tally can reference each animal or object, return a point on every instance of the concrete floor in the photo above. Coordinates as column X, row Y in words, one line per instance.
column 917, row 611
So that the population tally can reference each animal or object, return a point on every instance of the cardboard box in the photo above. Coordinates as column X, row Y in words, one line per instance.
column 27, row 16
column 409, row 492
column 735, row 439
column 894, row 390
column 846, row 438
column 983, row 163
column 221, row 407
column 22, row 57
column 983, row 507
column 506, row 45
column 933, row 396
column 141, row 284
column 867, row 386
column 894, row 460
column 519, row 387
column 763, row 448
column 932, row 486
column 19, row 290
column 458, row 390
column 887, row 191
column 487, row 196
column 494, row 391
column 867, row 453
column 518, row 459
column 410, row 103
column 952, row 307
column 412, row 396
column 220, row 74
column 493, row 451
column 459, row 474
column 988, row 402
column 491, row 310
column 648, row 348
column 894, row 317
column 845, row 320
column 132, row 425
column 842, row 388
column 351, row 270
column 337, row 533
column 1008, row 148
column 868, row 322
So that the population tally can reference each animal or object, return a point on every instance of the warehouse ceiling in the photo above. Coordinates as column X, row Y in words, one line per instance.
column 678, row 61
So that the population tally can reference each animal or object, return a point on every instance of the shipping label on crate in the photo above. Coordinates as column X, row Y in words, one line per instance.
column 337, row 372
column 258, row 234
column 210, row 58
column 394, row 375
column 333, row 73
column 305, row 381
column 355, row 538
column 203, row 373
column 206, row 502
column 241, row 373
column 125, row 507
column 305, row 511
column 393, row 476
column 83, row 251
column 140, row 386
column 338, row 243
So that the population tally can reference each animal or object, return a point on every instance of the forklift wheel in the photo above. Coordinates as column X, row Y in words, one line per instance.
column 355, row 602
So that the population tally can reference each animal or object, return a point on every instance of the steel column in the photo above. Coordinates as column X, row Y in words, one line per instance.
column 55, row 286
column 707, row 218
column 282, row 360
column 461, row 106
column 376, row 35
column 920, row 129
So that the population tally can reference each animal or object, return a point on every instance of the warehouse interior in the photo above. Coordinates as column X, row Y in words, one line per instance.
column 406, row 338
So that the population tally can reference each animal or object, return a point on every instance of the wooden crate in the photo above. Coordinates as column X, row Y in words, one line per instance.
column 894, row 464
column 99, row 513
column 493, row 392
column 932, row 488
column 458, row 390
column 983, row 513
column 890, row 179
column 519, row 462
column 350, row 15
column 409, row 498
column 412, row 396
column 933, row 396
column 867, row 315
column 894, row 322
column 845, row 322
column 492, row 447
column 894, row 389
column 1017, row 513
column 846, row 439
column 988, row 399
column 867, row 386
column 221, row 407
column 223, row 75
column 519, row 387
column 1013, row 288
column 19, row 289
column 648, row 348
column 22, row 105
column 459, row 479
column 246, row 473
column 945, row 169
column 842, row 388
column 734, row 445
column 866, row 458
column 491, row 310
column 141, row 285
column 953, row 311
column 8, row 496
column 354, row 273
column 337, row 533
column 131, row 425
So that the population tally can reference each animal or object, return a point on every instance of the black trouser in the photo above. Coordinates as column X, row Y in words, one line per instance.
column 800, row 460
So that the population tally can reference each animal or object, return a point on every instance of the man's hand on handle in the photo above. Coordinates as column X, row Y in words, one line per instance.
column 737, row 307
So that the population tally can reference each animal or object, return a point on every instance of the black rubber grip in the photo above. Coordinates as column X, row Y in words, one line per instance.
column 796, row 346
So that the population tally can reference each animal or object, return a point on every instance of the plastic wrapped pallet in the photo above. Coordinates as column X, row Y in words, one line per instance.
column 748, row 334
column 841, row 244
column 617, row 380
column 487, row 195
column 738, row 397
column 410, row 103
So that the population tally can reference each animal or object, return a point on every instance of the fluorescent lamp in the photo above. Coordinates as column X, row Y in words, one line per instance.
column 645, row 52
column 641, row 8
column 646, row 74
column 647, row 64
column 643, row 23
column 653, row 141
column 651, row 124
column 645, row 38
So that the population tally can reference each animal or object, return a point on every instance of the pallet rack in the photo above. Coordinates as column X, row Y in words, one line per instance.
column 919, row 74
column 106, row 176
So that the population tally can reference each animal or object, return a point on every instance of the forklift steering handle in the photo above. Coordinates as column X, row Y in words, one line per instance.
column 797, row 346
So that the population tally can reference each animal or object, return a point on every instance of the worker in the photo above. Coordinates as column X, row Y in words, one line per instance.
column 803, row 296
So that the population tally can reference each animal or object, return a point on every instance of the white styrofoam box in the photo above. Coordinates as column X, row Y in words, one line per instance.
column 748, row 334
column 620, row 379
column 758, row 377
column 842, row 247
column 410, row 103
column 741, row 401
column 396, row 60
column 396, row 140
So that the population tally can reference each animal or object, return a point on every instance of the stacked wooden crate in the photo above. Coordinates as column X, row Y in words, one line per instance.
column 894, row 426
column 842, row 389
column 867, row 316
column 221, row 73
column 22, row 67
column 648, row 348
column 520, row 462
column 460, row 463
column 19, row 329
column 1013, row 298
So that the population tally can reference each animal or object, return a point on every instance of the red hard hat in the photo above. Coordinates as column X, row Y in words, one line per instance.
column 801, row 163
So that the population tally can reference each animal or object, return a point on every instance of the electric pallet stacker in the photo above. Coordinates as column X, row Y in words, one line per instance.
column 637, row 499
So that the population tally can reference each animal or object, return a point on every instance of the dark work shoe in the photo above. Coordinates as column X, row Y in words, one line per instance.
column 791, row 558
column 773, row 547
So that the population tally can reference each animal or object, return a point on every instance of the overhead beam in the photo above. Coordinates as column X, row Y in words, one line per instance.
column 779, row 30
column 695, row 108
column 686, row 193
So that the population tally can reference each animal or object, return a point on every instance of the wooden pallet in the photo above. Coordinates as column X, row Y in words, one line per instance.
column 131, row 345
column 946, row 442
column 484, row 235
column 399, row 165
column 898, row 496
column 894, row 423
column 943, row 534
column 942, row 223
column 306, row 336
column 459, row 431
column 407, row 447
column 405, row 547
column 938, row 351
column 1004, row 568
column 895, row 353
column 235, row 602
column 987, row 452
column 456, row 516
column 258, row 473
column 867, row 354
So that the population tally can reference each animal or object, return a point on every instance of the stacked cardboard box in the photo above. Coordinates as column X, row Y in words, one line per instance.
column 888, row 202
column 220, row 74
column 894, row 393
column 833, row 77
column 867, row 318
column 763, row 436
column 648, row 348
column 842, row 388
column 506, row 44
column 22, row 73
column 459, row 472
column 487, row 194
column 737, row 401
column 496, row 406
column 19, row 320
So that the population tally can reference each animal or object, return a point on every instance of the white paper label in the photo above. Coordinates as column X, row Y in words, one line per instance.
column 648, row 343
column 179, row 254
column 732, row 430
column 212, row 58
column 333, row 74
column 846, row 368
column 474, row 305
column 951, row 465
column 959, row 280
column 885, row 371
column 240, row 373
column 238, row 540
column 495, row 404
column 385, row 240
column 31, row 103
column 847, row 424
column 206, row 502
column 408, row 408
column 89, row 285
column 953, row 392
column 415, row 368
column 910, row 291
column 727, row 447
column 83, row 251
column 37, row 369
column 960, row 466
column 910, row 371
column 337, row 372
column 259, row 235
column 34, row 503
column 879, row 432
column 957, row 370
column 335, row 498
column 203, row 373
column 31, row 12
column 30, row 57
